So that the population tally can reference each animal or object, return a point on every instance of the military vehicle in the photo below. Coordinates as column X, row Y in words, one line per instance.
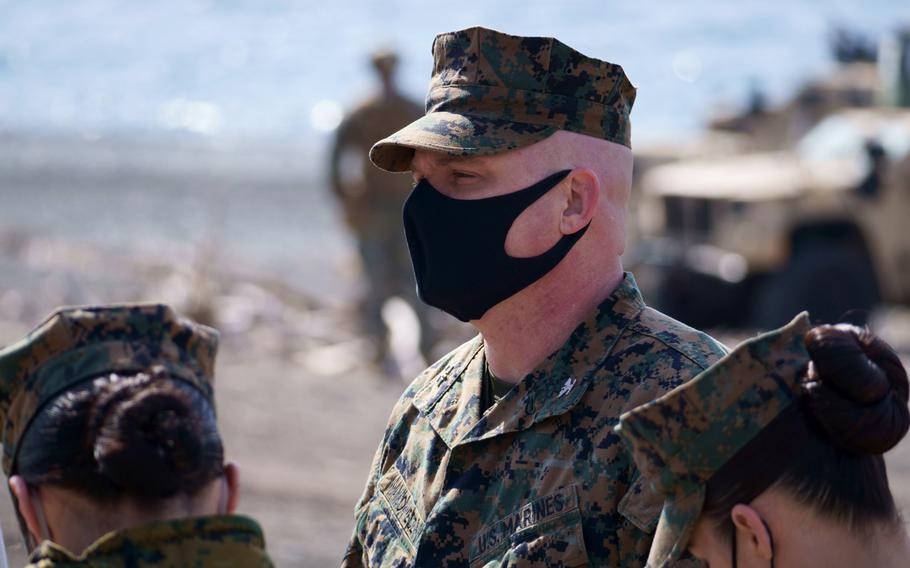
column 752, row 239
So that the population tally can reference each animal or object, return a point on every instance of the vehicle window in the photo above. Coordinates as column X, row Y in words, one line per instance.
column 833, row 138
column 837, row 137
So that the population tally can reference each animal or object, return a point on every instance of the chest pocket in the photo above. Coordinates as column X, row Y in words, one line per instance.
column 546, row 533
column 393, row 523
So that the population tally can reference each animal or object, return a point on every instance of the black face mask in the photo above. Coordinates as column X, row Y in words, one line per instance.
column 458, row 247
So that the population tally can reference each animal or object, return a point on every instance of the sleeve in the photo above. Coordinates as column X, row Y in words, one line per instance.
column 354, row 554
column 661, row 367
column 640, row 508
column 342, row 138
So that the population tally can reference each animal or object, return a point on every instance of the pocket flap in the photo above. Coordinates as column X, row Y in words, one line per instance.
column 641, row 505
column 393, row 522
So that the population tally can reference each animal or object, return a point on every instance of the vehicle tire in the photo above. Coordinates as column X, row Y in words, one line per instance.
column 701, row 301
column 833, row 283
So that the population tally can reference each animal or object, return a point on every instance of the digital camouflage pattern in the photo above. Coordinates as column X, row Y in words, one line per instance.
column 78, row 343
column 492, row 92
column 679, row 440
column 224, row 541
column 540, row 479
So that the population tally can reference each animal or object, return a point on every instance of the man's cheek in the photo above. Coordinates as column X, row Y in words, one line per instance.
column 536, row 230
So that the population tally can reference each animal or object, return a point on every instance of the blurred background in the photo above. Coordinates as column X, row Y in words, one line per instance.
column 197, row 153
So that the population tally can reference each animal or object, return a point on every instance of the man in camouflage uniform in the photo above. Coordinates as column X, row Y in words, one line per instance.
column 76, row 345
column 503, row 452
column 682, row 439
column 371, row 201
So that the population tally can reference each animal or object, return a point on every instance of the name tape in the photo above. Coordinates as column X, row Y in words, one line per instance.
column 537, row 511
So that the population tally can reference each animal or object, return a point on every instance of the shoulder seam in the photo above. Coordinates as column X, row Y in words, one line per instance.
column 674, row 348
column 633, row 327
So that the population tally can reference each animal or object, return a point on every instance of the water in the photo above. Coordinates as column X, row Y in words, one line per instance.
column 257, row 70
column 262, row 211
column 144, row 126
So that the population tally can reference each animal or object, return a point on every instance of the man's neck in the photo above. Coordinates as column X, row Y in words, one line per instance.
column 388, row 90
column 522, row 331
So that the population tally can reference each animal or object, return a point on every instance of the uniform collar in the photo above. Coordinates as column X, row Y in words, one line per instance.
column 451, row 399
column 212, row 531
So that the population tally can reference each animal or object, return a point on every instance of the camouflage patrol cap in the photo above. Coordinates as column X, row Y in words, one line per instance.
column 492, row 92
column 681, row 439
column 75, row 344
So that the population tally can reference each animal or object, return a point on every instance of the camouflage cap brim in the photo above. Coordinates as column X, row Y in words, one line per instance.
column 491, row 92
column 457, row 135
column 674, row 529
column 685, row 436
column 680, row 440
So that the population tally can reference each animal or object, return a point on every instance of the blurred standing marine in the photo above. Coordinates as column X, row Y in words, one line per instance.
column 371, row 200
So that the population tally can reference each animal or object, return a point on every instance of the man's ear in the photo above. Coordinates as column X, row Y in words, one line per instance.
column 26, row 506
column 231, row 495
column 752, row 537
column 582, row 196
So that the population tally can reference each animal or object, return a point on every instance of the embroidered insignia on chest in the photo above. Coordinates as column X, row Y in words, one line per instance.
column 404, row 513
column 570, row 382
column 492, row 538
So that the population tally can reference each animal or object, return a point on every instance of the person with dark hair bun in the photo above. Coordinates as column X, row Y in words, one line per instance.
column 111, row 445
column 773, row 455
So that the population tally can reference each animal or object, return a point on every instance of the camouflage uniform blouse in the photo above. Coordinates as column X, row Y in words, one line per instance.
column 202, row 542
column 540, row 478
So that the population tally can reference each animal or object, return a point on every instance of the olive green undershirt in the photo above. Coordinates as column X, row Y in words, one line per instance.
column 492, row 389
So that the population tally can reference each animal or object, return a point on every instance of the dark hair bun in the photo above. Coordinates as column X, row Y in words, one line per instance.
column 147, row 437
column 857, row 389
